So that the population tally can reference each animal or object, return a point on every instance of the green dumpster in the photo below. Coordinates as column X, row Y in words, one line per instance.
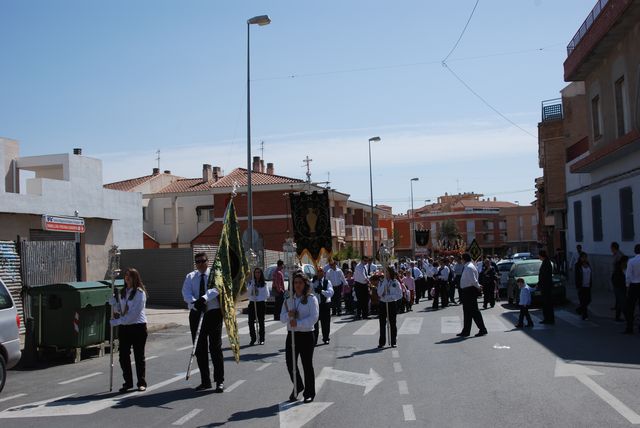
column 70, row 315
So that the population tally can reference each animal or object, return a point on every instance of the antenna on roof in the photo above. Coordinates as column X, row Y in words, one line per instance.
column 308, row 161
column 261, row 149
column 158, row 158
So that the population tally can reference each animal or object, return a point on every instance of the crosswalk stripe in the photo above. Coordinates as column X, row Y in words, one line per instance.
column 411, row 325
column 245, row 330
column 493, row 323
column 450, row 325
column 513, row 316
column 369, row 328
column 332, row 329
column 575, row 319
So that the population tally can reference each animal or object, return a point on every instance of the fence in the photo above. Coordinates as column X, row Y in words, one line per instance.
column 47, row 262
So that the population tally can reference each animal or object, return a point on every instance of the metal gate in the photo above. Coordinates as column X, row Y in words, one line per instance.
column 10, row 274
column 47, row 262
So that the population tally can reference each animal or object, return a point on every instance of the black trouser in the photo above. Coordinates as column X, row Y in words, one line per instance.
column 336, row 300
column 489, row 292
column 470, row 311
column 134, row 335
column 452, row 289
column 211, row 338
column 524, row 312
column 421, row 288
column 348, row 303
column 362, row 294
column 633, row 299
column 252, row 320
column 278, row 301
column 441, row 294
column 584, row 297
column 430, row 285
column 382, row 317
column 547, row 305
column 304, row 349
column 621, row 296
column 324, row 321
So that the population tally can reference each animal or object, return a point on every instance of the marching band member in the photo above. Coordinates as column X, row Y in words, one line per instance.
column 389, row 292
column 361, row 274
column 300, row 313
column 259, row 294
column 336, row 276
column 323, row 290
column 202, row 300
column 129, row 310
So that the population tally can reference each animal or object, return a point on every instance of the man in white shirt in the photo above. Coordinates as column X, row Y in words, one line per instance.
column 361, row 286
column 204, row 302
column 418, row 277
column 335, row 275
column 442, row 279
column 469, row 291
column 633, row 287
column 324, row 292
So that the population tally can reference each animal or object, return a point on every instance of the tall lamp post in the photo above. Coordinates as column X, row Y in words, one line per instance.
column 259, row 20
column 413, row 221
column 373, row 231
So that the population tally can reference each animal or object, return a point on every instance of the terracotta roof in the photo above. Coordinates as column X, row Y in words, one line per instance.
column 185, row 185
column 128, row 185
column 471, row 203
column 239, row 176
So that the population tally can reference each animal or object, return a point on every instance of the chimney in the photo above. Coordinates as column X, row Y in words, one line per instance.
column 77, row 151
column 216, row 173
column 256, row 164
column 167, row 171
column 156, row 171
column 495, row 199
column 207, row 172
column 270, row 168
column 262, row 165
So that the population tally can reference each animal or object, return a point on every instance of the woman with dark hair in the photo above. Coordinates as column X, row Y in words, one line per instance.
column 583, row 276
column 258, row 295
column 300, row 313
column 129, row 310
column 389, row 292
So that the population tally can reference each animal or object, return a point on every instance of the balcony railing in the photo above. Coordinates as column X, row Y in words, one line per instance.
column 595, row 12
column 552, row 109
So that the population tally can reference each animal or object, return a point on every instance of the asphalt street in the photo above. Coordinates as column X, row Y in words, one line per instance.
column 576, row 373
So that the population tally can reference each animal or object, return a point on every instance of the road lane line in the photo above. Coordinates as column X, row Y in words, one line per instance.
column 234, row 385
column 395, row 354
column 397, row 367
column 184, row 348
column 450, row 325
column 369, row 328
column 11, row 397
column 187, row 417
column 409, row 414
column 262, row 367
column 153, row 357
column 245, row 330
column 403, row 389
column 606, row 396
column 76, row 379
column 411, row 325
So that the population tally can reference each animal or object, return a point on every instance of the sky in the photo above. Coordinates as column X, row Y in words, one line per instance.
column 122, row 79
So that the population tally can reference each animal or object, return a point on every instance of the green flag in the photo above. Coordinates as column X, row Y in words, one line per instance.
column 230, row 268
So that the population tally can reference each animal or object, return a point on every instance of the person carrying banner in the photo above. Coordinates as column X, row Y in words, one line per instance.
column 204, row 302
column 258, row 295
column 323, row 290
column 389, row 292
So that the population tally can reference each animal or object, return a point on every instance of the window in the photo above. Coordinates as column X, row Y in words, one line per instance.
column 577, row 220
column 205, row 214
column 168, row 215
column 621, row 103
column 5, row 298
column 596, row 217
column 626, row 214
column 595, row 117
column 145, row 214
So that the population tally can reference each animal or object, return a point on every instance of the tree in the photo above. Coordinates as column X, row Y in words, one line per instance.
column 449, row 230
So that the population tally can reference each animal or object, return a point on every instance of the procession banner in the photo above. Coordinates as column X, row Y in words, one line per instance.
column 229, row 270
column 475, row 251
column 422, row 237
column 311, row 224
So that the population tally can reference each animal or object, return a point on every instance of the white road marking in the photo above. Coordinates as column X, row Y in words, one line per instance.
column 369, row 381
column 403, row 389
column 450, row 325
column 395, row 353
column 262, row 367
column 234, row 385
column 499, row 346
column 411, row 325
column 575, row 319
column 332, row 329
column 397, row 367
column 11, row 397
column 297, row 414
column 536, row 323
column 369, row 328
column 76, row 379
column 153, row 357
column 409, row 414
column 184, row 348
column 493, row 323
column 243, row 319
column 245, row 330
column 281, row 331
column 187, row 417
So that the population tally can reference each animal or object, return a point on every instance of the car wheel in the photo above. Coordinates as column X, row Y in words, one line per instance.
column 3, row 371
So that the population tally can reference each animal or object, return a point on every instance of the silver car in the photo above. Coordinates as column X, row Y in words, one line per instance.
column 9, row 334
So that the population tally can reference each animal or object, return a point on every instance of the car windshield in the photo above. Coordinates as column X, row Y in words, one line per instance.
column 527, row 269
column 504, row 267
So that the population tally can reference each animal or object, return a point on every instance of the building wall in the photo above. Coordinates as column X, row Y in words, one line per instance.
column 188, row 226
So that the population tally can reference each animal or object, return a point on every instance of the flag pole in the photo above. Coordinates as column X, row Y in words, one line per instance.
column 114, row 270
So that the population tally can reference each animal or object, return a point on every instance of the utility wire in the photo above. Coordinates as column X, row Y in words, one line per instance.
column 462, row 33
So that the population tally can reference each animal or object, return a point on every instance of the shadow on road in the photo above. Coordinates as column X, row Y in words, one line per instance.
column 264, row 412
column 363, row 352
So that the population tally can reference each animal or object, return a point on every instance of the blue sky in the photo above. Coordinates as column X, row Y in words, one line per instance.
column 122, row 79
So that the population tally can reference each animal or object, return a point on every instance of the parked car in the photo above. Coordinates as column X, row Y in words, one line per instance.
column 308, row 270
column 521, row 256
column 528, row 270
column 9, row 334
column 504, row 266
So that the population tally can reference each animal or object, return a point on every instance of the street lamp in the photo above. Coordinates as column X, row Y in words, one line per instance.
column 413, row 222
column 373, row 236
column 260, row 20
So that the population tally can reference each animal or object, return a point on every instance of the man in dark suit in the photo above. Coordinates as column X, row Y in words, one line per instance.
column 545, row 283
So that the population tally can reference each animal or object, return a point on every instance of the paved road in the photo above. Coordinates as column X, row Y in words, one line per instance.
column 582, row 374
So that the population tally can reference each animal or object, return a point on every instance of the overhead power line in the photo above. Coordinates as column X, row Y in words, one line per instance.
column 462, row 33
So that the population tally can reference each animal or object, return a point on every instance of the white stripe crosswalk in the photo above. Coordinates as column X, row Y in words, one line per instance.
column 411, row 325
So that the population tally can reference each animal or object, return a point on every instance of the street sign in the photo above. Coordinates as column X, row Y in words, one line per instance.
column 475, row 251
column 62, row 224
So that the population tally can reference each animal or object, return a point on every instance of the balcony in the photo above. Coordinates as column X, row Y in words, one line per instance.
column 552, row 109
column 338, row 228
column 582, row 31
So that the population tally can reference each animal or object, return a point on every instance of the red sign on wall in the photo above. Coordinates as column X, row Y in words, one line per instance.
column 62, row 224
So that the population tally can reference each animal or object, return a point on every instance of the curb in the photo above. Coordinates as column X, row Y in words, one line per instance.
column 158, row 327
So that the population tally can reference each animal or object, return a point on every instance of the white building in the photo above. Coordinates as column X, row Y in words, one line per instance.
column 67, row 185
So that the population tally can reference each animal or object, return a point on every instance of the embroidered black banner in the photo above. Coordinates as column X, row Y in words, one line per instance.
column 422, row 238
column 311, row 223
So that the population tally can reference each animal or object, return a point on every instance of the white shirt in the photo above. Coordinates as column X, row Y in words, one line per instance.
column 335, row 276
column 525, row 296
column 360, row 274
column 328, row 293
column 457, row 268
column 417, row 273
column 633, row 270
column 389, row 290
column 191, row 290
column 469, row 276
column 444, row 274
column 257, row 294
column 586, row 276
column 131, row 311
column 307, row 314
